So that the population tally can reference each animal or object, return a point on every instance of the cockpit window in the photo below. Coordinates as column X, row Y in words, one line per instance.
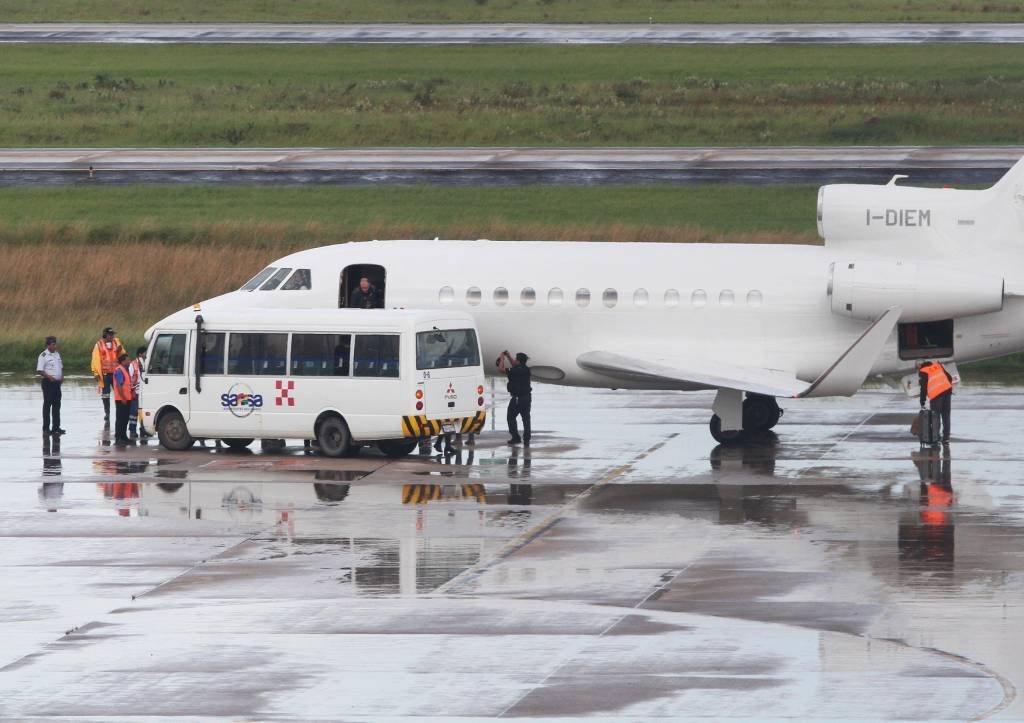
column 274, row 281
column 299, row 281
column 258, row 279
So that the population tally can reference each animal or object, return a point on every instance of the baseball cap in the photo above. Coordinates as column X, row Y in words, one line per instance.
column 522, row 358
column 109, row 330
column 51, row 340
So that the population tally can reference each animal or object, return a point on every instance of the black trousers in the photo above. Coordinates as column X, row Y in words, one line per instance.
column 51, row 405
column 942, row 404
column 108, row 382
column 519, row 407
column 124, row 409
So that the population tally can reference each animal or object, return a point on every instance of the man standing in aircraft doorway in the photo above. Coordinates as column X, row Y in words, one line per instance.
column 366, row 296
column 937, row 386
column 104, row 362
column 521, row 394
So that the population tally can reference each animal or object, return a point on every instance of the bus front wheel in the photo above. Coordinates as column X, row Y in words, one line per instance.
column 333, row 437
column 173, row 432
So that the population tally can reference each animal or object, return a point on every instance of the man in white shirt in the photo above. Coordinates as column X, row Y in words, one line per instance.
column 51, row 368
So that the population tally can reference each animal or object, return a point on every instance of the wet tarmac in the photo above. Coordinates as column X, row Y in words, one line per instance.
column 623, row 567
column 504, row 33
column 504, row 166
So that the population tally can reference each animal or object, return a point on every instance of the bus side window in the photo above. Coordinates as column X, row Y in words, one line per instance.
column 321, row 355
column 168, row 355
column 376, row 355
column 257, row 354
column 212, row 358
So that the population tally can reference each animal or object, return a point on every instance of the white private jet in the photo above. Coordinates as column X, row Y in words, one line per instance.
column 904, row 274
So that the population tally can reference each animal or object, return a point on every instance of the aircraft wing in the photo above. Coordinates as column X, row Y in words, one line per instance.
column 843, row 378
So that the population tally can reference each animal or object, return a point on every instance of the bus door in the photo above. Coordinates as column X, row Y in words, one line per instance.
column 166, row 382
column 211, row 413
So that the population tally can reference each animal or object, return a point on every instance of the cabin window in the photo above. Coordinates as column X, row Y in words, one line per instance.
column 301, row 280
column 501, row 296
column 446, row 295
column 528, row 297
column 726, row 297
column 258, row 279
column 350, row 292
column 699, row 298
column 926, row 340
column 671, row 298
column 473, row 296
column 275, row 280
column 610, row 298
column 555, row 297
column 211, row 358
column 582, row 297
column 640, row 297
column 257, row 354
column 376, row 355
column 321, row 355
column 755, row 299
column 168, row 355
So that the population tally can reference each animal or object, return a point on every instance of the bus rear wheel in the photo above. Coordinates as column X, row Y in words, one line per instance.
column 333, row 437
column 237, row 443
column 396, row 448
column 173, row 432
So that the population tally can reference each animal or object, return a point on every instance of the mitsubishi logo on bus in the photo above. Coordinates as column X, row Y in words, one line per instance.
column 450, row 394
column 240, row 400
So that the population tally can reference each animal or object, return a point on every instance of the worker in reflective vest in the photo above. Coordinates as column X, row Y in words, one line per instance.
column 104, row 362
column 937, row 387
column 123, row 396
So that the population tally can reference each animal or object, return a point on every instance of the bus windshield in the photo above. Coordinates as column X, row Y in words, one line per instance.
column 443, row 349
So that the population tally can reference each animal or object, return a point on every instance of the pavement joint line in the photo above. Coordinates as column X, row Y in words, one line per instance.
column 527, row 536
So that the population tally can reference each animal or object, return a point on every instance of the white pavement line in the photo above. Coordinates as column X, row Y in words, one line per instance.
column 526, row 537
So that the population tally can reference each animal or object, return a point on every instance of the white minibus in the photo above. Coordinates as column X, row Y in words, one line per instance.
column 341, row 377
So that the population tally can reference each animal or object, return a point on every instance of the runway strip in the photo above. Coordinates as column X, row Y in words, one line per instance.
column 504, row 166
column 584, row 34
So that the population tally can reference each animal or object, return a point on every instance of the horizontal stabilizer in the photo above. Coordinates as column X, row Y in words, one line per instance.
column 843, row 378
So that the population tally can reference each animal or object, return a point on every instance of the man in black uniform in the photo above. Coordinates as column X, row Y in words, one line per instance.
column 365, row 296
column 519, row 387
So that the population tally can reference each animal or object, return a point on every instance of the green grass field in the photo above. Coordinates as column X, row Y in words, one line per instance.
column 173, row 95
column 595, row 11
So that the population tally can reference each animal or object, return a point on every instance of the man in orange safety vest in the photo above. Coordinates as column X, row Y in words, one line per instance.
column 104, row 362
column 937, row 387
column 123, row 396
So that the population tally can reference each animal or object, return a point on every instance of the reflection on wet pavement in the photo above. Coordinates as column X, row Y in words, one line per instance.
column 830, row 570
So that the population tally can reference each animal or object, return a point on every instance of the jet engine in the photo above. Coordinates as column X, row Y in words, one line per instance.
column 865, row 288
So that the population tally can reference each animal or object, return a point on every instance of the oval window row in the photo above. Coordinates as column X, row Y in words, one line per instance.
column 609, row 297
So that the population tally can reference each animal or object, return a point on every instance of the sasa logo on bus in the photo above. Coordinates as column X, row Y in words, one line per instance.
column 240, row 400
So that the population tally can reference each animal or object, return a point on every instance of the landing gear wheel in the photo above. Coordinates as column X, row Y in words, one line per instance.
column 237, row 443
column 760, row 413
column 722, row 436
column 173, row 432
column 396, row 448
column 333, row 437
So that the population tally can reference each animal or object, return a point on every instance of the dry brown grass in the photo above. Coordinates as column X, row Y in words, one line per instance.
column 67, row 286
